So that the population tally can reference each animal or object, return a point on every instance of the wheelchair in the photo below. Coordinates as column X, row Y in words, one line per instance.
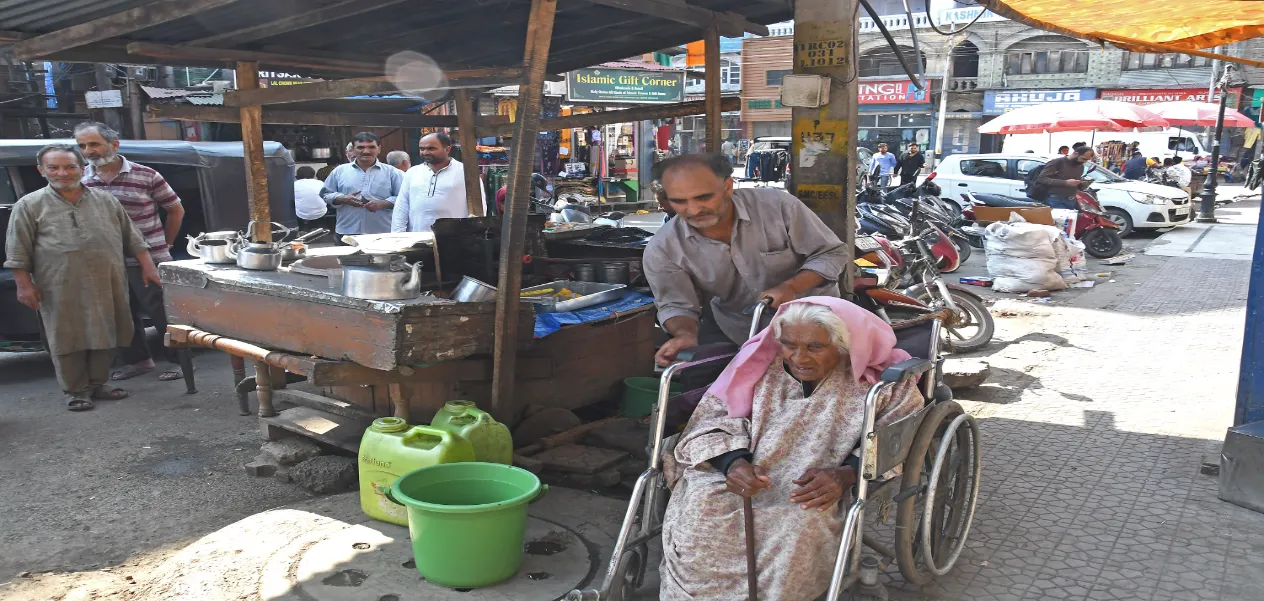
column 938, row 448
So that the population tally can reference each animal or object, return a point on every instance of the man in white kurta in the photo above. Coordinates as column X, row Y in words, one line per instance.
column 65, row 245
column 434, row 189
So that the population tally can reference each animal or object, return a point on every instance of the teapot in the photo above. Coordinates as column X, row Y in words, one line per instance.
column 258, row 256
column 375, row 277
column 212, row 247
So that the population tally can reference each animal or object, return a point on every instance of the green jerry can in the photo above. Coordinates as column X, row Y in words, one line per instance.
column 491, row 439
column 391, row 448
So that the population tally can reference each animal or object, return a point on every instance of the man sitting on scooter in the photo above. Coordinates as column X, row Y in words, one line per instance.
column 1062, row 177
column 732, row 247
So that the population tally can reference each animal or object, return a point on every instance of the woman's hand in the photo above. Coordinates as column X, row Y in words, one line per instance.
column 745, row 479
column 822, row 488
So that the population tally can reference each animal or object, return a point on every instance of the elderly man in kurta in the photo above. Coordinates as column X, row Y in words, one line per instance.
column 66, row 244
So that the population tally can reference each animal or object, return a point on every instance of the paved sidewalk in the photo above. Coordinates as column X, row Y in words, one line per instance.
column 1094, row 429
column 1232, row 238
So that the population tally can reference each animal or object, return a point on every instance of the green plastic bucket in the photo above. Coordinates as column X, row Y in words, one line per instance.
column 467, row 521
column 640, row 394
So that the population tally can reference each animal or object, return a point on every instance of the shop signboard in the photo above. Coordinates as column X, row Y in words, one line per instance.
column 1257, row 99
column 898, row 91
column 625, row 86
column 271, row 79
column 999, row 102
column 1144, row 97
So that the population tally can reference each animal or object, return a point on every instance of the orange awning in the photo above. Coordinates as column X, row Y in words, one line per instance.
column 1188, row 26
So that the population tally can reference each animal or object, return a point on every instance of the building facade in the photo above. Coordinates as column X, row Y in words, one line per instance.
column 994, row 66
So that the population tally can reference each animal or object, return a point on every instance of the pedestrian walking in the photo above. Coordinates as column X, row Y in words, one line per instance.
column 883, row 165
column 144, row 194
column 66, row 246
column 910, row 164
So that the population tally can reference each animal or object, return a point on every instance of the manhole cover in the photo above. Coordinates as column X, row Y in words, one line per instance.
column 341, row 568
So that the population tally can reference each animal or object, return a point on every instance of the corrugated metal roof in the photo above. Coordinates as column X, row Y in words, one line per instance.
column 454, row 33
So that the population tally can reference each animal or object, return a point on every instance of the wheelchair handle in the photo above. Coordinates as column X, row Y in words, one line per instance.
column 758, row 315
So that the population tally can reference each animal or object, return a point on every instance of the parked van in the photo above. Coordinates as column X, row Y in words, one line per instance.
column 1160, row 144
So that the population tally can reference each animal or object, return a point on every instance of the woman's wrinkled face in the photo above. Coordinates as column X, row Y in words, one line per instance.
column 808, row 351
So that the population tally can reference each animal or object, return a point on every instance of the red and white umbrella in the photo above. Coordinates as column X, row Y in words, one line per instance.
column 1187, row 113
column 1085, row 115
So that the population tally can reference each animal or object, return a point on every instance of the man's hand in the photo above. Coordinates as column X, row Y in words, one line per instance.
column 822, row 488
column 667, row 353
column 149, row 275
column 30, row 296
column 347, row 199
column 783, row 293
column 1074, row 182
column 377, row 205
column 745, row 479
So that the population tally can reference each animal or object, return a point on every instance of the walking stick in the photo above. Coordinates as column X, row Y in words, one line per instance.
column 751, row 575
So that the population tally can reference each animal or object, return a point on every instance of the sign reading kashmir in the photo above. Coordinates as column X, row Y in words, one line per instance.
column 625, row 85
column 900, row 91
column 999, row 102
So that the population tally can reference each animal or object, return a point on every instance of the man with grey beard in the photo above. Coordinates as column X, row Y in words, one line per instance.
column 66, row 243
column 143, row 192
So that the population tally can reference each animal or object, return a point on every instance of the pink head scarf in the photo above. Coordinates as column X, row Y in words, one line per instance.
column 872, row 350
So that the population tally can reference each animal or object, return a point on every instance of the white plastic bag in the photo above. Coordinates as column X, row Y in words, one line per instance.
column 1022, row 256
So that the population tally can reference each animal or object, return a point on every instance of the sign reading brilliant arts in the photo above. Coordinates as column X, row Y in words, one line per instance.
column 999, row 102
column 1144, row 97
column 900, row 91
column 625, row 85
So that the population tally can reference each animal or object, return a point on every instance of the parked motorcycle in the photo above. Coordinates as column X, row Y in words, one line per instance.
column 901, row 199
column 1093, row 226
column 913, row 262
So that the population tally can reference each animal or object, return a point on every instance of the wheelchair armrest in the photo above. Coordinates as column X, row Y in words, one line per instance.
column 706, row 351
column 906, row 368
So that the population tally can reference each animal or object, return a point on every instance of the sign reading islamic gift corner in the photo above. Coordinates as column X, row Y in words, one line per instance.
column 1144, row 97
column 892, row 92
column 625, row 85
column 999, row 102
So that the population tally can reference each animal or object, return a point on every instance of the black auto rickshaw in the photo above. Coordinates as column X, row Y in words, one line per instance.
column 210, row 178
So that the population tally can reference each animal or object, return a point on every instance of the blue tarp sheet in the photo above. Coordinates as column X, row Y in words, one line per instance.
column 548, row 323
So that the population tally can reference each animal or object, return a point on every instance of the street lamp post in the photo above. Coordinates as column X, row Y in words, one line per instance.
column 1207, row 212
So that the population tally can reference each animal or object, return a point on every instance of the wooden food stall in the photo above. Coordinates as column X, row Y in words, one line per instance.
column 401, row 357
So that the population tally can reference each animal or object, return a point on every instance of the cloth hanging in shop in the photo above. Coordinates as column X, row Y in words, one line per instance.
column 547, row 161
column 508, row 107
column 767, row 165
column 1254, row 174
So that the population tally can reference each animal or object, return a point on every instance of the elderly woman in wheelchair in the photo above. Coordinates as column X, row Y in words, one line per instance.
column 781, row 426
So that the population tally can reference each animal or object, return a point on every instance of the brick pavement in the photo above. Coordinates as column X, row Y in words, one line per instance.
column 1094, row 431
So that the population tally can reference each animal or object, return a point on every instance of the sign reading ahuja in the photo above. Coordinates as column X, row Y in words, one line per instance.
column 625, row 85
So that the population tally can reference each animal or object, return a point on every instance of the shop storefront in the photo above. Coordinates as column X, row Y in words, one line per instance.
column 894, row 112
column 1144, row 97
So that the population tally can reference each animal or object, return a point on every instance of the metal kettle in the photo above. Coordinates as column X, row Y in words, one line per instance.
column 258, row 256
column 380, row 277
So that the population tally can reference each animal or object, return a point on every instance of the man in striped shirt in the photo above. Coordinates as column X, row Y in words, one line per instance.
column 142, row 191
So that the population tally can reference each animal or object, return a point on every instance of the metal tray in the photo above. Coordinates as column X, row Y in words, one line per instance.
column 591, row 293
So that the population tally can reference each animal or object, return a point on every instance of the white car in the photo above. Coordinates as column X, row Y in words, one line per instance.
column 1131, row 204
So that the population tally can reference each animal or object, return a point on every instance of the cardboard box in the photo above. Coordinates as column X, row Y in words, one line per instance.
column 1038, row 215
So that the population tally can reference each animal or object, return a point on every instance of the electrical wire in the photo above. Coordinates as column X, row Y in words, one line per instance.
column 917, row 82
column 917, row 51
column 931, row 21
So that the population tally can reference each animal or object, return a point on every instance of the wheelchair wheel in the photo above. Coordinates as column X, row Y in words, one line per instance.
column 630, row 573
column 938, row 494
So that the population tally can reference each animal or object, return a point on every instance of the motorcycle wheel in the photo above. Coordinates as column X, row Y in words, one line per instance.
column 1102, row 243
column 963, row 249
column 976, row 326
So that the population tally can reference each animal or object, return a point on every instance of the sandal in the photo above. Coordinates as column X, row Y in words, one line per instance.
column 129, row 372
column 113, row 394
column 171, row 375
column 78, row 404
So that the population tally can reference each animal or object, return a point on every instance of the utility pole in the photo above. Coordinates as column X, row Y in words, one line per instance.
column 823, row 147
column 1207, row 212
column 112, row 116
column 943, row 99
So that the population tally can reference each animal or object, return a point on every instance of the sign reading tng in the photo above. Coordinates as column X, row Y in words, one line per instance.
column 892, row 92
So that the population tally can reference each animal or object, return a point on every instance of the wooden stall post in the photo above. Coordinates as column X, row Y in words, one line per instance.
column 514, row 230
column 469, row 151
column 252, row 146
column 263, row 389
column 715, row 119
column 823, row 146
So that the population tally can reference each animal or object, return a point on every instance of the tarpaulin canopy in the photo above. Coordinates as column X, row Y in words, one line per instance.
column 1171, row 26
